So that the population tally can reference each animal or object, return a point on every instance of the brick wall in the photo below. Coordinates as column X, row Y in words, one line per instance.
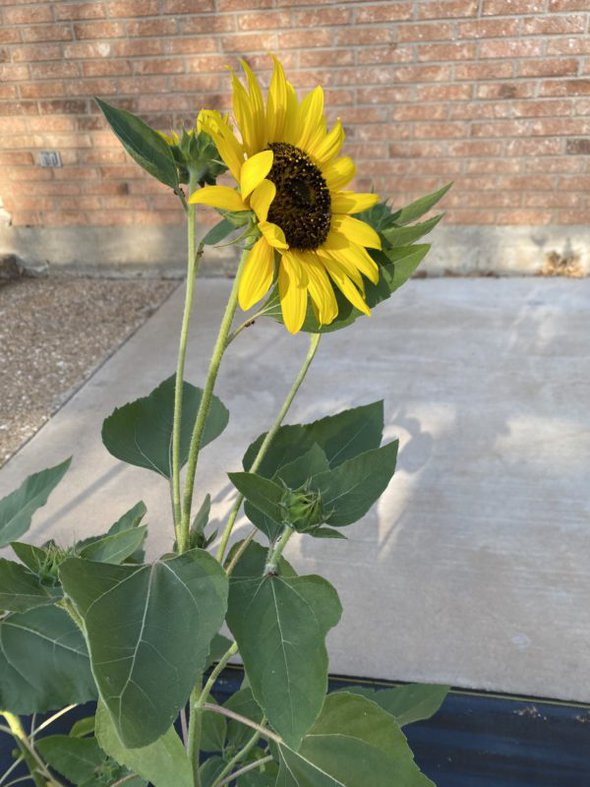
column 494, row 94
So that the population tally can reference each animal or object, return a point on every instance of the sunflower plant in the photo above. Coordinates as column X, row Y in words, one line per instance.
column 95, row 621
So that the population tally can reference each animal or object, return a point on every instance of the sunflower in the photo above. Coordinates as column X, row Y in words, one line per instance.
column 290, row 175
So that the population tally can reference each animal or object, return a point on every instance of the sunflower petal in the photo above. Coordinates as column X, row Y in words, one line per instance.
column 274, row 235
column 310, row 117
column 356, row 258
column 329, row 146
column 257, row 108
column 345, row 285
column 352, row 202
column 243, row 114
column 293, row 297
column 290, row 128
column 218, row 197
column 276, row 103
column 339, row 173
column 357, row 231
column 257, row 275
column 230, row 150
column 261, row 198
column 320, row 288
column 254, row 171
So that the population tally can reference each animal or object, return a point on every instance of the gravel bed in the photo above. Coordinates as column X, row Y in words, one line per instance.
column 54, row 332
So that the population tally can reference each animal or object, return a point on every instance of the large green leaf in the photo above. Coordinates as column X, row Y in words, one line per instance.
column 163, row 763
column 115, row 548
column 140, row 433
column 43, row 662
column 354, row 743
column 78, row 759
column 148, row 628
column 280, row 624
column 130, row 519
column 142, row 143
column 263, row 493
column 341, row 437
column 17, row 508
column 409, row 704
column 350, row 490
column 417, row 209
column 20, row 589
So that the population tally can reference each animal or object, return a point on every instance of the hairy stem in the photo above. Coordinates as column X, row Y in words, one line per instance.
column 230, row 714
column 237, row 758
column 218, row 350
column 193, row 258
column 39, row 773
column 314, row 341
column 275, row 552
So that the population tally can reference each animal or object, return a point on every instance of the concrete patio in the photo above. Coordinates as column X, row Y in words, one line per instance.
column 474, row 567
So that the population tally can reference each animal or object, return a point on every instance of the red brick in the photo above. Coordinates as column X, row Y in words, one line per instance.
column 15, row 158
column 10, row 72
column 246, row 43
column 206, row 25
column 43, row 90
column 131, row 8
column 549, row 68
column 197, row 46
column 568, row 5
column 489, row 28
column 552, row 25
column 483, row 71
column 28, row 15
column 64, row 107
column 578, row 147
column 105, row 68
column 331, row 58
column 91, row 87
column 417, row 74
column 385, row 54
column 505, row 90
column 54, row 32
column 51, row 123
column 360, row 36
column 196, row 82
column 388, row 95
column 525, row 47
column 578, row 45
column 507, row 7
column 78, row 11
column 320, row 16
column 569, row 87
column 36, row 52
column 421, row 112
column 188, row 6
column 446, row 9
column 475, row 148
column 135, row 47
column 534, row 147
column 424, row 32
column 444, row 92
column 454, row 130
column 83, row 30
column 303, row 39
column 151, row 27
column 516, row 217
column 158, row 66
column 10, row 35
column 454, row 51
column 574, row 217
column 384, row 12
column 8, row 91
column 55, row 70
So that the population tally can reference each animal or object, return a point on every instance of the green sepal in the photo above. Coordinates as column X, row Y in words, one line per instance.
column 143, row 144
column 418, row 208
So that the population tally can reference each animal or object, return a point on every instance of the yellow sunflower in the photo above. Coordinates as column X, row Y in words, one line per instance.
column 289, row 172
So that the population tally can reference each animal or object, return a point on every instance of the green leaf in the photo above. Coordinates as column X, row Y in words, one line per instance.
column 20, row 589
column 34, row 558
column 350, row 490
column 352, row 739
column 77, row 759
column 142, row 143
column 218, row 233
column 409, row 704
column 402, row 264
column 218, row 648
column 280, row 624
column 263, row 493
column 17, row 508
column 340, row 436
column 83, row 727
column 145, row 659
column 115, row 548
column 403, row 236
column 210, row 770
column 326, row 532
column 163, row 763
column 417, row 209
column 140, row 433
column 265, row 776
column 43, row 662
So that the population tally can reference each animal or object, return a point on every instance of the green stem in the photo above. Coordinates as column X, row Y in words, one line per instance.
column 193, row 257
column 238, row 757
column 250, row 767
column 218, row 350
column 197, row 701
column 35, row 764
column 314, row 341
column 275, row 552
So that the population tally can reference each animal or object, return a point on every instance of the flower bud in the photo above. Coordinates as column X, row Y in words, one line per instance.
column 302, row 508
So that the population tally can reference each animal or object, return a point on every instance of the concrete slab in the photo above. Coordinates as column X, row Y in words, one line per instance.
column 474, row 568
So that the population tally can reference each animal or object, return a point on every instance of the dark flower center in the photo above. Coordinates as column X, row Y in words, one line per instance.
column 301, row 207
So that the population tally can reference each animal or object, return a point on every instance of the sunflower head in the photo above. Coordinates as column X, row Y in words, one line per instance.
column 195, row 155
column 291, row 177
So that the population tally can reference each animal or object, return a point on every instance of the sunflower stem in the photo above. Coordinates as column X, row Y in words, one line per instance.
column 197, row 435
column 36, row 766
column 193, row 258
column 314, row 341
